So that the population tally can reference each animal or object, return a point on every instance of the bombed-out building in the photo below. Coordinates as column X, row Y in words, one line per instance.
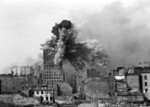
column 52, row 73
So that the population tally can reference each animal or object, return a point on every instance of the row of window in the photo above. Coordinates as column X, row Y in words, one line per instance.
column 14, row 88
column 52, row 71
column 16, row 83
column 52, row 77
column 51, row 81
column 145, row 83
column 50, row 67
column 42, row 92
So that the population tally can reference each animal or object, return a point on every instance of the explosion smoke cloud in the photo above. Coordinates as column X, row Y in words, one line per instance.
column 60, row 46
column 124, row 31
column 77, row 53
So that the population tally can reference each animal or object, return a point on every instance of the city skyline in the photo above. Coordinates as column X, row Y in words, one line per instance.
column 27, row 24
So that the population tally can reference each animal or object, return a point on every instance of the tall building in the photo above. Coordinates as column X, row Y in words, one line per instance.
column 146, row 84
column 52, row 73
column 23, row 70
column 26, row 70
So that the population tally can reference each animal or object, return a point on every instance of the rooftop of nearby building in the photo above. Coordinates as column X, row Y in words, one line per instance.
column 45, row 87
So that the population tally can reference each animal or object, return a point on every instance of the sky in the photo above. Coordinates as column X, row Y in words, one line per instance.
column 121, row 26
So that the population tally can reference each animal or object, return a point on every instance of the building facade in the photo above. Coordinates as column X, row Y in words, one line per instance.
column 46, row 93
column 91, row 73
column 13, row 84
column 146, row 84
column 10, row 84
column 133, row 82
column 23, row 70
column 52, row 73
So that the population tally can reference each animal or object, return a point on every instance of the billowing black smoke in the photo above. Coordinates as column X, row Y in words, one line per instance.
column 77, row 53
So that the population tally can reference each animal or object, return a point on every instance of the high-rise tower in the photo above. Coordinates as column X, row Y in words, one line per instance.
column 52, row 73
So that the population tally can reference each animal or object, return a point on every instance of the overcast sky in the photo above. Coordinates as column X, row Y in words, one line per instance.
column 25, row 24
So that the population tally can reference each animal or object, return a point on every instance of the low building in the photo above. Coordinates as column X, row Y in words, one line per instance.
column 146, row 84
column 111, row 82
column 63, row 100
column 92, row 73
column 12, row 84
column 38, row 69
column 128, row 85
column 133, row 82
column 45, row 92
column 6, row 98
column 121, row 70
column 22, row 101
column 32, row 81
column 130, row 97
column 96, row 89
column 121, row 86
column 23, row 70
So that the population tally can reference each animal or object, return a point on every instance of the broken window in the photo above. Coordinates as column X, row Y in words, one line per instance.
column 145, row 83
column 146, row 90
column 46, row 97
column 145, row 77
column 51, row 98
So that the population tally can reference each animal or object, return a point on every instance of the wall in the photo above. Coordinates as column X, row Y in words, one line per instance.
column 43, row 94
column 19, row 100
column 146, row 88
column 12, row 84
column 6, row 98
column 133, row 82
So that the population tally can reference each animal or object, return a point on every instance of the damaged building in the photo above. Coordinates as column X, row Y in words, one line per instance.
column 52, row 73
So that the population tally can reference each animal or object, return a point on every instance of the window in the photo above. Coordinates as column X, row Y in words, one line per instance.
column 145, row 83
column 46, row 97
column 37, row 92
column 41, row 92
column 146, row 90
column 51, row 98
column 145, row 77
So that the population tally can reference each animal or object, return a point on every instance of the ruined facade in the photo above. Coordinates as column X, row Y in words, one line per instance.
column 52, row 73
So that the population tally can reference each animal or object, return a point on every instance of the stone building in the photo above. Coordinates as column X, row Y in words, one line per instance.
column 23, row 70
column 91, row 73
column 133, row 82
column 11, row 84
column 146, row 83
column 46, row 93
column 52, row 73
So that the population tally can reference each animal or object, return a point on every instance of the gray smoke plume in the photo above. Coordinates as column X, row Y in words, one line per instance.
column 98, row 55
column 61, row 47
column 124, row 31
column 79, row 54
